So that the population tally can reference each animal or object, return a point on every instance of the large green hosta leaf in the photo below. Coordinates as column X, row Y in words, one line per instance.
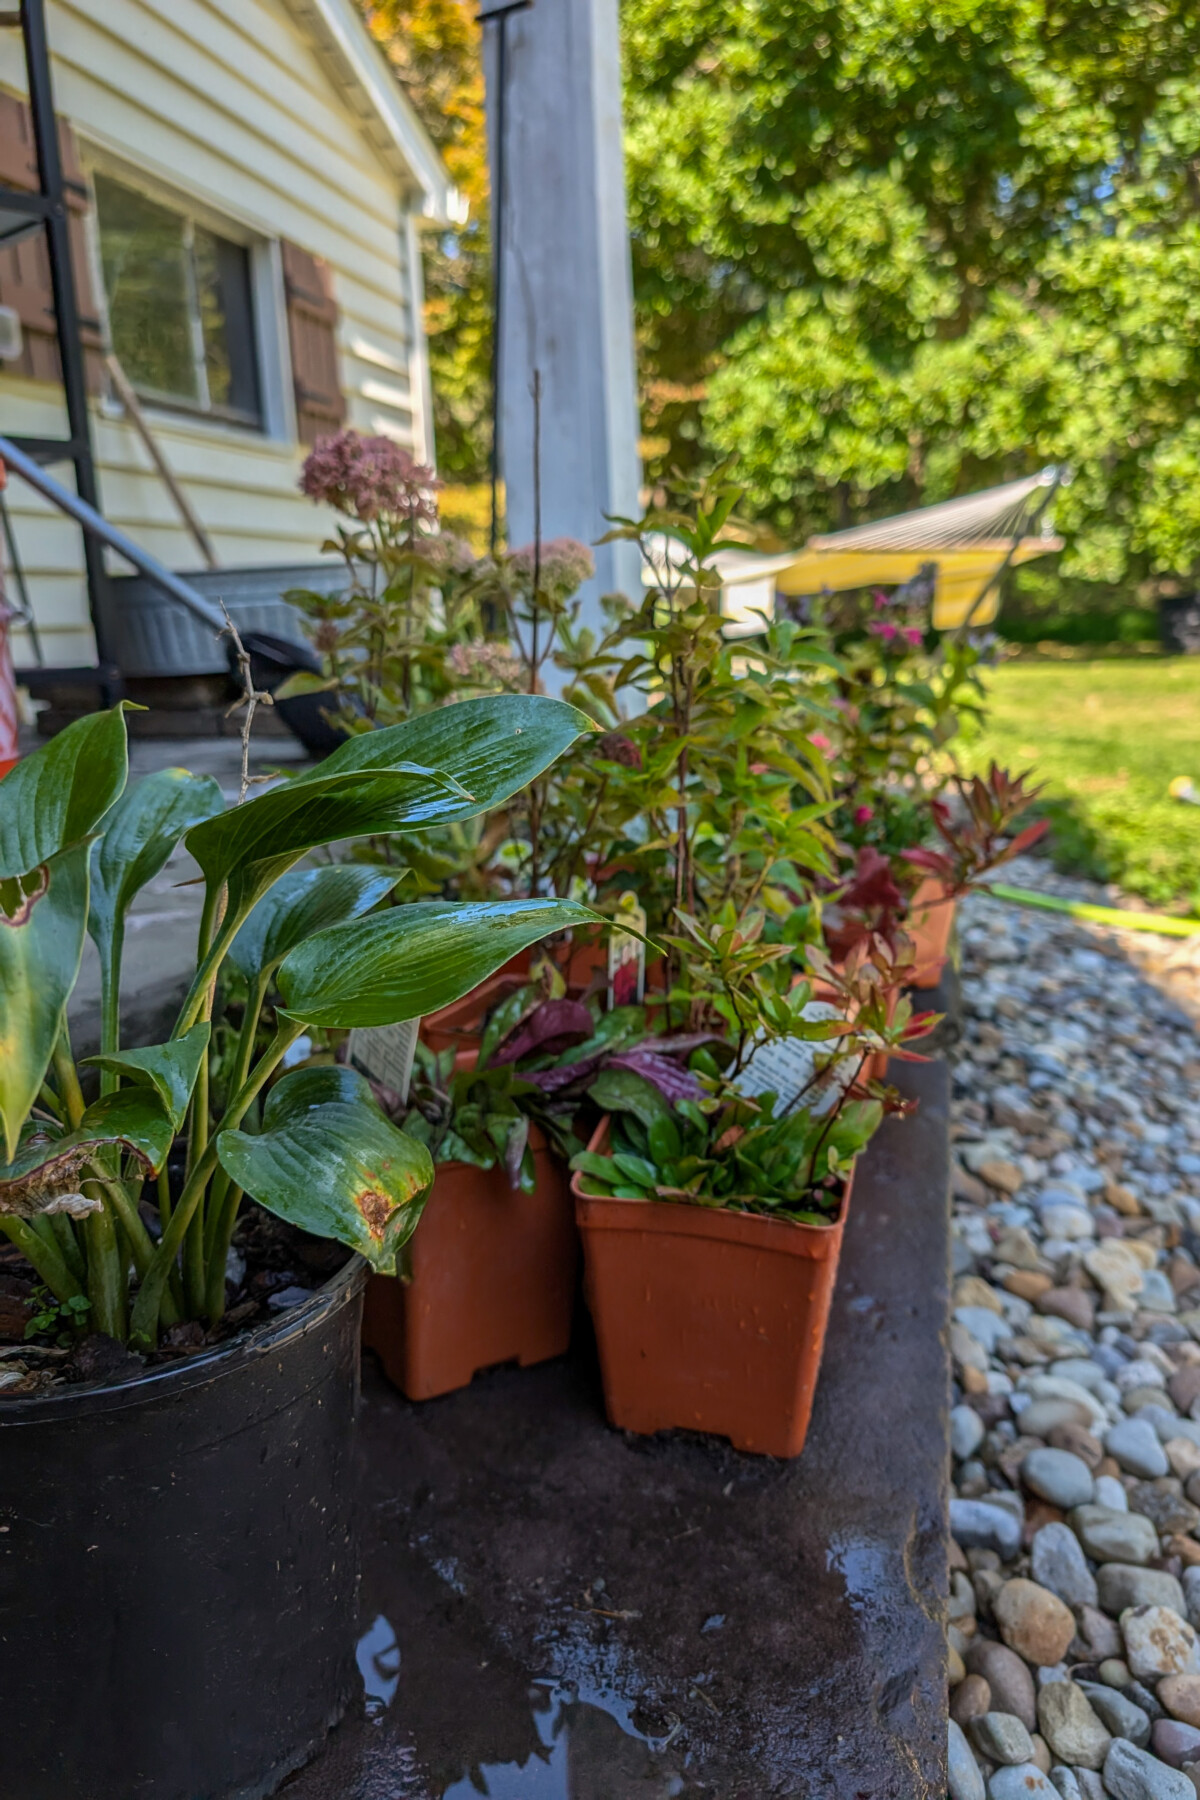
column 410, row 960
column 495, row 745
column 41, row 943
column 139, row 835
column 168, row 1070
column 301, row 902
column 61, row 792
column 433, row 770
column 251, row 846
column 328, row 1161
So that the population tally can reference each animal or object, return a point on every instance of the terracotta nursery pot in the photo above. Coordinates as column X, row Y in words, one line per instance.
column 454, row 1026
column 705, row 1319
column 929, row 924
column 493, row 1279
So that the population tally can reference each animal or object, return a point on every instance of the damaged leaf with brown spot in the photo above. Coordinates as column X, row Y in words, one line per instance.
column 328, row 1161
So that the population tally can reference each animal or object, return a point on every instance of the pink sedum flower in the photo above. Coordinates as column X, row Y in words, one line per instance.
column 883, row 629
column 914, row 636
column 565, row 565
column 820, row 742
column 863, row 815
column 369, row 477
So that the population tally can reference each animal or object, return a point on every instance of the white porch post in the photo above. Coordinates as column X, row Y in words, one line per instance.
column 566, row 300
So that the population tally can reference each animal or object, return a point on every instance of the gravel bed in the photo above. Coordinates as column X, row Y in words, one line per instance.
column 1074, row 1660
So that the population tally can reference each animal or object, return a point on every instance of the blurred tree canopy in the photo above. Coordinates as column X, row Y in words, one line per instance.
column 886, row 251
column 891, row 250
column 434, row 47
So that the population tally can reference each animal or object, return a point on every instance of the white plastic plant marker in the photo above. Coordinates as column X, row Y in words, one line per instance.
column 627, row 954
column 787, row 1067
column 384, row 1053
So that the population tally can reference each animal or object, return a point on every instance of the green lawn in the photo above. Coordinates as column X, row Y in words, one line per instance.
column 1106, row 737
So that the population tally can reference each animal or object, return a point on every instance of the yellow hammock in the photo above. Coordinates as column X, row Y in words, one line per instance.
column 969, row 540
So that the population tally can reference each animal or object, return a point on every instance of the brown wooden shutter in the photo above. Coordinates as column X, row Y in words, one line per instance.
column 312, row 335
column 25, row 266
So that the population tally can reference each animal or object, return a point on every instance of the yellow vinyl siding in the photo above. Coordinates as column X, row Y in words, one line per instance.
column 224, row 104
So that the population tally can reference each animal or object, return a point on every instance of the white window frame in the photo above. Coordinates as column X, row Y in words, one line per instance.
column 268, row 303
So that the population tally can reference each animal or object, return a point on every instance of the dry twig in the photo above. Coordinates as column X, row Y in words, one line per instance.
column 252, row 698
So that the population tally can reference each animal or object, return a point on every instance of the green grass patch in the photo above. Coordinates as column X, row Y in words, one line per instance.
column 1106, row 737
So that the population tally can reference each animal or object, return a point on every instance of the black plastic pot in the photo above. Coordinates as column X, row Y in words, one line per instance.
column 179, row 1568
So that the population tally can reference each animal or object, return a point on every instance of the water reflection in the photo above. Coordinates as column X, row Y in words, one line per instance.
column 378, row 1657
column 589, row 1749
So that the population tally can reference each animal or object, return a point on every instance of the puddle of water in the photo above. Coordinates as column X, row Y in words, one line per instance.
column 588, row 1743
column 867, row 1568
column 378, row 1656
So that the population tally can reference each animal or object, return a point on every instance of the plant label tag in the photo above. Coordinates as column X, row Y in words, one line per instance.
column 787, row 1067
column 626, row 954
column 384, row 1053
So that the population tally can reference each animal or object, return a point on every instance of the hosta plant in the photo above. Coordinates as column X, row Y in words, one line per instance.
column 84, row 1191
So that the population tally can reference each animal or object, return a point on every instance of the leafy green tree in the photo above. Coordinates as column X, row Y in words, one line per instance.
column 434, row 47
column 888, row 250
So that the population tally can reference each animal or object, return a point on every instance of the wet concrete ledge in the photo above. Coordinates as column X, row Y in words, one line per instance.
column 555, row 1611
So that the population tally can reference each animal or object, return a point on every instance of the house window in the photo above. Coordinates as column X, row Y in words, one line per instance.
column 179, row 306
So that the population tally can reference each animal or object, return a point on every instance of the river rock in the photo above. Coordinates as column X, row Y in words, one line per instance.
column 1075, row 1305
column 1001, row 1737
column 1120, row 1716
column 1191, row 1589
column 1041, row 1417
column 1057, row 1562
column 970, row 1700
column 1120, row 1586
column 1121, row 1537
column 1137, row 1448
column 1132, row 1774
column 1034, row 1622
column 1175, row 1742
column 1117, row 1272
column 1158, row 1642
column 1099, row 1635
column 1008, row 1679
column 1024, row 1782
column 1180, row 1694
column 964, row 1778
column 1058, row 1476
column 1110, row 1493
column 980, row 1525
column 1070, row 1726
column 966, row 1431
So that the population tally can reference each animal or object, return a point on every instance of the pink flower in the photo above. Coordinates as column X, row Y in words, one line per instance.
column 820, row 742
column 564, row 566
column 883, row 629
column 369, row 477
column 863, row 815
column 881, row 599
column 914, row 636
column 450, row 554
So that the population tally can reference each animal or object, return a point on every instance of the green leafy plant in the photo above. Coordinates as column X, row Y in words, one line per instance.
column 470, row 1116
column 727, row 789
column 734, row 1141
column 76, row 846
column 410, row 590
column 735, row 1152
